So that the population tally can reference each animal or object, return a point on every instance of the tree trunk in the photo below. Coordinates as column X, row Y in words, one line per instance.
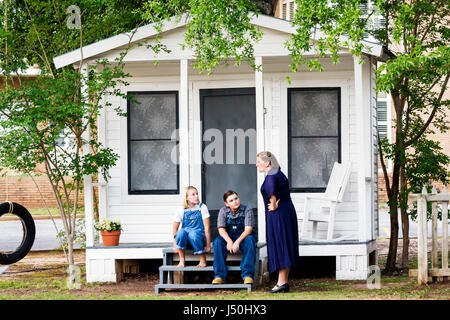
column 393, row 211
column 405, row 231
column 72, row 280
column 395, row 182
column 404, row 217
column 393, row 240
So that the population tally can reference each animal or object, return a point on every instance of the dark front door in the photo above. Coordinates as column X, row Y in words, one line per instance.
column 229, row 148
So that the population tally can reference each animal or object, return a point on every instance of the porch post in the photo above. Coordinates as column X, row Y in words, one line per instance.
column 184, row 123
column 260, row 144
column 362, row 105
column 88, row 191
column 102, row 183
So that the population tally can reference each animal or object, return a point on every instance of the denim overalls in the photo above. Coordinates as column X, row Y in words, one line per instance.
column 235, row 227
column 192, row 231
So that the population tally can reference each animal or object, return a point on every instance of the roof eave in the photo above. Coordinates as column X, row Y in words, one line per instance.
column 94, row 49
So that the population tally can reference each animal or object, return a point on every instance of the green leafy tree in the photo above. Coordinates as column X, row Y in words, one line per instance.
column 415, row 38
column 424, row 164
column 64, row 103
column 217, row 30
column 417, row 69
column 416, row 52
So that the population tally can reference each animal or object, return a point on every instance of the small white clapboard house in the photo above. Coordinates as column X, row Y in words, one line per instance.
column 309, row 123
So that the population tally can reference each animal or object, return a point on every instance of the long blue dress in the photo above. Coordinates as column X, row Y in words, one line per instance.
column 281, row 224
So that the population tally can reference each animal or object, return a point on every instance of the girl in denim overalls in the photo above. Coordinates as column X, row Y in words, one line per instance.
column 194, row 219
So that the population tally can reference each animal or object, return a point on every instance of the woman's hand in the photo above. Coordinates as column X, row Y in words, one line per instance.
column 273, row 206
column 208, row 247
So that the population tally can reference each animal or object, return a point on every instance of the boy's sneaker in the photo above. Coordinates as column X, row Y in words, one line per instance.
column 218, row 281
column 248, row 280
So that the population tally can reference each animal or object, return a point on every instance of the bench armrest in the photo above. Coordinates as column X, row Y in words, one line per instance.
column 315, row 198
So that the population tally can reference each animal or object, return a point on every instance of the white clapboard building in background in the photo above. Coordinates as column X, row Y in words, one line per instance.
column 309, row 123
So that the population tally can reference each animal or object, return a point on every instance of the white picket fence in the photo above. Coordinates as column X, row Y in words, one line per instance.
column 423, row 273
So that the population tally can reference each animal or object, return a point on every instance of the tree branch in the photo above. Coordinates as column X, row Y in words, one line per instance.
column 383, row 165
column 46, row 61
column 430, row 118
column 428, row 28
column 51, row 216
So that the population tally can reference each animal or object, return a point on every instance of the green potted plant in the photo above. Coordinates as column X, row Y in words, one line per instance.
column 110, row 231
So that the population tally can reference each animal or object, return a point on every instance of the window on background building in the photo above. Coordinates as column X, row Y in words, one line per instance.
column 368, row 7
column 314, row 137
column 64, row 139
column 288, row 8
column 376, row 20
column 152, row 153
column 384, row 122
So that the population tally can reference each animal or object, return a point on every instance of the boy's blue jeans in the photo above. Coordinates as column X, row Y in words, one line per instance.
column 248, row 249
column 195, row 237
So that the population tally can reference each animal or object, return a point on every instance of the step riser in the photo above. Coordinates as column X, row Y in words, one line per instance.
column 160, row 287
column 230, row 257
column 195, row 269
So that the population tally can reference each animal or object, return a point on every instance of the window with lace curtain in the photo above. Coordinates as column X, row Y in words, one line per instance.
column 152, row 147
column 314, row 137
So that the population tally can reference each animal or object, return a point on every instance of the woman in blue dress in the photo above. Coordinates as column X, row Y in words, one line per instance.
column 281, row 220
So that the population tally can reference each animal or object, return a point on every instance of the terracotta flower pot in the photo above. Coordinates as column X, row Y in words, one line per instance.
column 110, row 238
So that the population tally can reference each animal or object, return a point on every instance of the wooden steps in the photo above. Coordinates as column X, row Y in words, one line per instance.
column 166, row 272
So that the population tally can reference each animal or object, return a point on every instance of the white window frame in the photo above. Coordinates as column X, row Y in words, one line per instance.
column 144, row 84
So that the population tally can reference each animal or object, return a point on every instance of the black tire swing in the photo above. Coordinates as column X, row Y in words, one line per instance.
column 29, row 232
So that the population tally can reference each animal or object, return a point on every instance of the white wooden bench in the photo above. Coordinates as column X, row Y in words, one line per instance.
column 322, row 208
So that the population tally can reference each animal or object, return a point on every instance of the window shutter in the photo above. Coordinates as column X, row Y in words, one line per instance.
column 382, row 131
column 382, row 110
column 288, row 9
column 284, row 11
column 382, row 118
column 291, row 10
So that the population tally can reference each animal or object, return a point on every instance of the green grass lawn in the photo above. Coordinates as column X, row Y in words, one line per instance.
column 43, row 288
column 54, row 211
column 49, row 283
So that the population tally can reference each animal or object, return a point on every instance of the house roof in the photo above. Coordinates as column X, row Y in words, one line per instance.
column 150, row 30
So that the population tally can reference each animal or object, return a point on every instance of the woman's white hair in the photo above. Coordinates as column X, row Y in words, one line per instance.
column 268, row 156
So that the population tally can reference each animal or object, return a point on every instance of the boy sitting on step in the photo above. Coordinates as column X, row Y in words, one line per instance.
column 235, row 223
column 194, row 218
